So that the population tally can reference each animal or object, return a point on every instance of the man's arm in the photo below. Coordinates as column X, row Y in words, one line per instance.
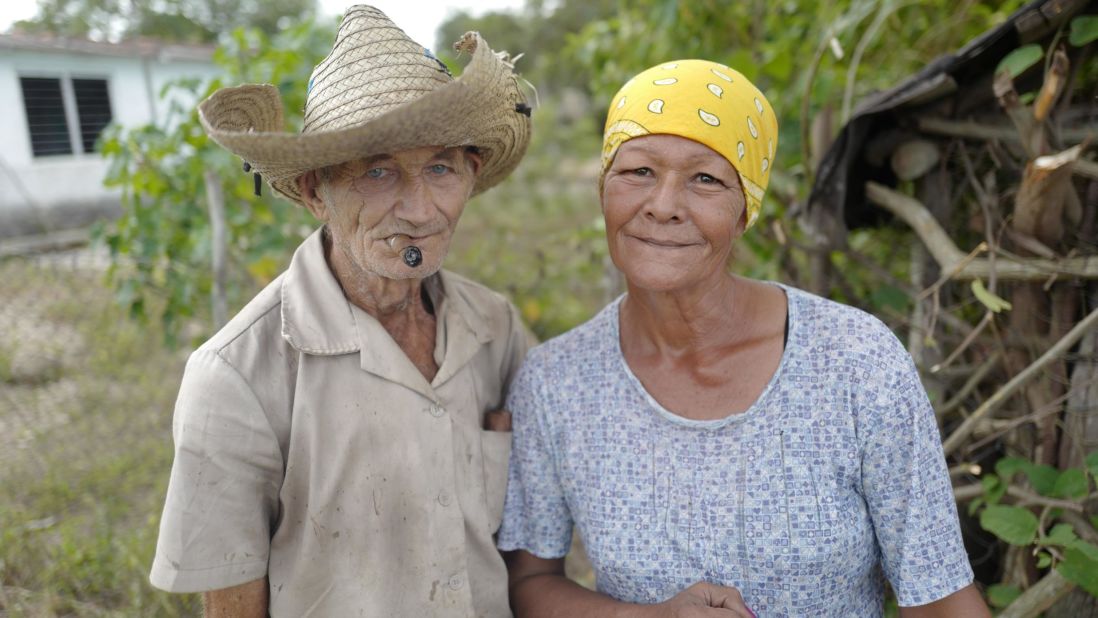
column 965, row 603
column 244, row 601
column 539, row 589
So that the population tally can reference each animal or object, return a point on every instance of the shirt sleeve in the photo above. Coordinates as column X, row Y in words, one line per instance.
column 223, row 492
column 907, row 489
column 536, row 517
column 519, row 342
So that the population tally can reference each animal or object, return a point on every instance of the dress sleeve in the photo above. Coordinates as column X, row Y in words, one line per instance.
column 907, row 489
column 536, row 517
column 223, row 492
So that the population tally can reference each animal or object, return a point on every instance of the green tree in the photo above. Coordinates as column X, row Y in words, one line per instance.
column 193, row 21
column 161, row 244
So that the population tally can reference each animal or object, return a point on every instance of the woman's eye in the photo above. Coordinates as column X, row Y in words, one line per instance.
column 708, row 179
column 642, row 171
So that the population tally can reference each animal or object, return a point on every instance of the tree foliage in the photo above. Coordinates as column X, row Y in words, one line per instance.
column 161, row 244
column 190, row 21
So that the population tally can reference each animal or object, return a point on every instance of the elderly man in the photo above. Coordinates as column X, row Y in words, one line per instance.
column 334, row 445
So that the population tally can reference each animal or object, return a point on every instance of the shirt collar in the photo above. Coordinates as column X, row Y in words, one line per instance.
column 318, row 319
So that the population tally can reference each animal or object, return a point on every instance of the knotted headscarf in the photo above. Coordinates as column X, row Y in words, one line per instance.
column 706, row 102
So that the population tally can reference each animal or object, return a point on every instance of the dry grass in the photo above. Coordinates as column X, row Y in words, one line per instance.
column 85, row 416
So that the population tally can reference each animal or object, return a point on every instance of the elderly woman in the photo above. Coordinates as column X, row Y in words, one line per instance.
column 727, row 447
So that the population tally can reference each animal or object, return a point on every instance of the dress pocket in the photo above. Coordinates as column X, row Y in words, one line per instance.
column 495, row 449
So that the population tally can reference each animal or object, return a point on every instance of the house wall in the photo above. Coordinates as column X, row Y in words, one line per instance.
column 41, row 193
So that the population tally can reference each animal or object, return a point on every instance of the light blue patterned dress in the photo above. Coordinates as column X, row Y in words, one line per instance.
column 831, row 481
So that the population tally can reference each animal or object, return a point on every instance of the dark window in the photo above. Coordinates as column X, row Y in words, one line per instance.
column 45, row 105
column 93, row 106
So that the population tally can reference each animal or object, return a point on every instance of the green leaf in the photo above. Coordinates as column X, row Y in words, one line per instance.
column 1043, row 477
column 975, row 506
column 1043, row 560
column 1088, row 549
column 1079, row 568
column 1007, row 466
column 1084, row 29
column 889, row 297
column 1017, row 61
column 994, row 488
column 1092, row 463
column 993, row 303
column 1013, row 524
column 1061, row 534
column 1001, row 595
column 1071, row 483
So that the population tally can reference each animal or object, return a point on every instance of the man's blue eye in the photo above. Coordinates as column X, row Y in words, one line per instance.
column 376, row 172
column 439, row 168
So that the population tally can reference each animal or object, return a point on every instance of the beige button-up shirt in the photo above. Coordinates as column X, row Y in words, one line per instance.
column 309, row 449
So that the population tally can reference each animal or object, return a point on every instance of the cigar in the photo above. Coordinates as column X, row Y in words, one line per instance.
column 411, row 254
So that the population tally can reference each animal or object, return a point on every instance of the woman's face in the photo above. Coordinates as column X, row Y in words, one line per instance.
column 673, row 208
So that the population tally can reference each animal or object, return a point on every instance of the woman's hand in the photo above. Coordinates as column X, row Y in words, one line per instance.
column 539, row 589
column 704, row 599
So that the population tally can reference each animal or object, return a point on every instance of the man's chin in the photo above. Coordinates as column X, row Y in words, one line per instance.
column 401, row 271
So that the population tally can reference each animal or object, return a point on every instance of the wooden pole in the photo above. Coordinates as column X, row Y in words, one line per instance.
column 215, row 198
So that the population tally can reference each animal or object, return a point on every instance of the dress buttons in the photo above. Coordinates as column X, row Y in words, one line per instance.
column 445, row 499
column 456, row 582
column 437, row 410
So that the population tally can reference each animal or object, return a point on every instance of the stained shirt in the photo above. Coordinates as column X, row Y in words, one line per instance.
column 832, row 481
column 309, row 449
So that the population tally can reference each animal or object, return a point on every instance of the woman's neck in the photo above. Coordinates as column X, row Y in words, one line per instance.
column 685, row 321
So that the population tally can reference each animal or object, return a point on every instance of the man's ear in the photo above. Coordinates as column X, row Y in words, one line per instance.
column 308, row 184
column 475, row 160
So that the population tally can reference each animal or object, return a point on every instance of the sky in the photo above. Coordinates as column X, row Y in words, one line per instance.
column 419, row 18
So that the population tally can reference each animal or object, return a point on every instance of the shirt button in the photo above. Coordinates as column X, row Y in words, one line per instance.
column 437, row 410
column 456, row 582
column 445, row 499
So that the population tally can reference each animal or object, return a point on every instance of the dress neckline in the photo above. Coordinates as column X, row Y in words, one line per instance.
column 752, row 411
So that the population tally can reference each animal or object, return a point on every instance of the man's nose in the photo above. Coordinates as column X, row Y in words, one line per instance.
column 415, row 203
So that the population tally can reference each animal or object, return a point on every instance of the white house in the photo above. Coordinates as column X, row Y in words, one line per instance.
column 58, row 94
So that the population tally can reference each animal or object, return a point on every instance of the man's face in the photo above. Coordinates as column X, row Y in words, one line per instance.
column 375, row 207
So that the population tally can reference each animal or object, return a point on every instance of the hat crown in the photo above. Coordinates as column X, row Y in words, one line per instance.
column 373, row 67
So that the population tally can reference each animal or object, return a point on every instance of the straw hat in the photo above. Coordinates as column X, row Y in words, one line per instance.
column 378, row 91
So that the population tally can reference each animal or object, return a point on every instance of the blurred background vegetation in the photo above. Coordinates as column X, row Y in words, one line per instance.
column 78, row 525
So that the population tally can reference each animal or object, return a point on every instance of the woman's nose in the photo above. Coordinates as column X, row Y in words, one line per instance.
column 664, row 203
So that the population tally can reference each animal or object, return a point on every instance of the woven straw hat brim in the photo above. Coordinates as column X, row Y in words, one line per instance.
column 479, row 108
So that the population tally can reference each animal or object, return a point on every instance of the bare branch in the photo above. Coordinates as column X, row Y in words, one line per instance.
column 1022, row 497
column 946, row 253
column 1039, row 597
column 1001, row 132
column 1055, row 79
column 1061, row 347
column 971, row 384
column 1081, row 525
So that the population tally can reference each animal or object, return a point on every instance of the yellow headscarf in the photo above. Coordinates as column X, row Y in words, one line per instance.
column 705, row 102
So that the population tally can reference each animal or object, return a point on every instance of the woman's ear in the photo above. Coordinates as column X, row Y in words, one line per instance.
column 308, row 184
column 741, row 223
